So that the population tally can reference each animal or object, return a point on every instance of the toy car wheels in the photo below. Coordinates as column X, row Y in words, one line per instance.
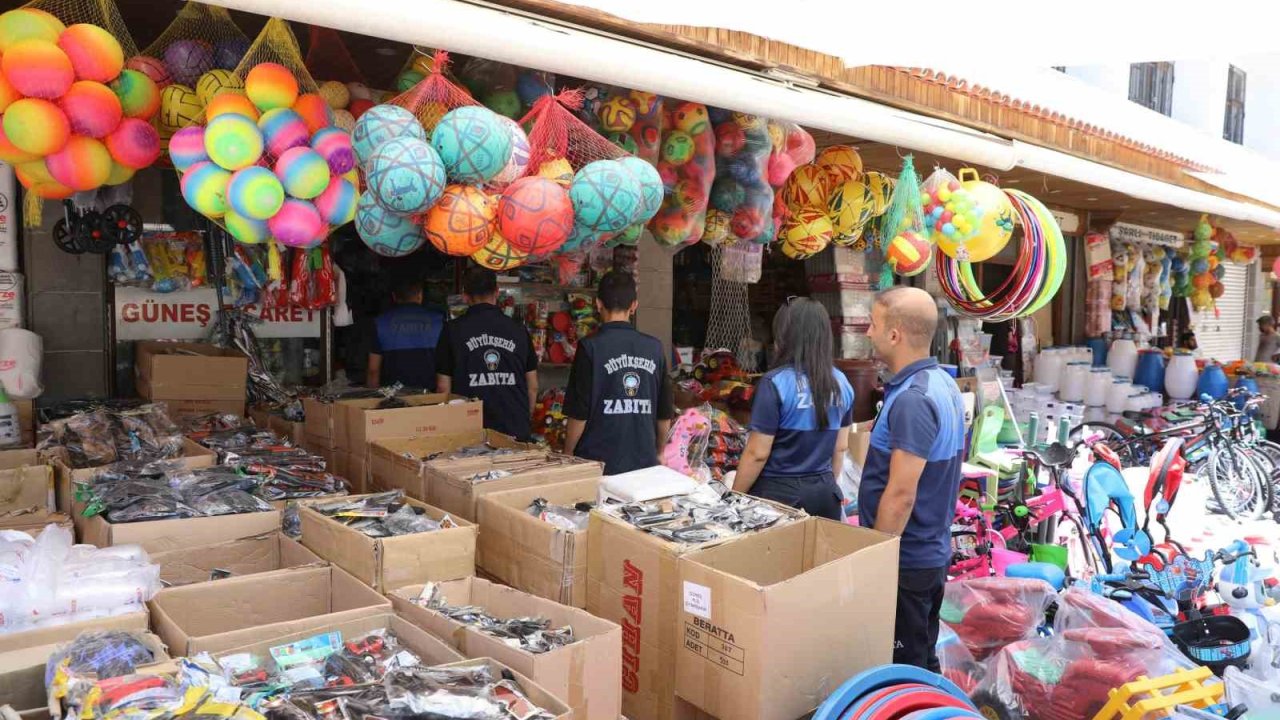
column 990, row 706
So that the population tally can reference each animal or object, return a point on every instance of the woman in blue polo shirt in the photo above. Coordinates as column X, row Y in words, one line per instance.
column 800, row 417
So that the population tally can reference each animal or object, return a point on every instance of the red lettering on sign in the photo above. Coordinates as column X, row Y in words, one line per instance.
column 188, row 313
column 632, row 577
column 202, row 315
column 129, row 312
column 150, row 312
column 168, row 313
column 631, row 603
column 630, row 672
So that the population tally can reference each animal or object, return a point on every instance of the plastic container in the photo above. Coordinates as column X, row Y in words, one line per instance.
column 1099, row 348
column 1181, row 375
column 1149, row 369
column 1074, row 379
column 1097, row 387
column 1122, row 358
column 1213, row 382
column 1118, row 396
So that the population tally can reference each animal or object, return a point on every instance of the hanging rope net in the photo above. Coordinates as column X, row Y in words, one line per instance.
column 730, row 323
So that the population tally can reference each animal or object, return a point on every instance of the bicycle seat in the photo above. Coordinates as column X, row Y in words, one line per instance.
column 1055, row 456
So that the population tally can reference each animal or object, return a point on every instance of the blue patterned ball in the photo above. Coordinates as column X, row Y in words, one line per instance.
column 651, row 190
column 474, row 144
column 405, row 175
column 381, row 123
column 606, row 196
column 387, row 233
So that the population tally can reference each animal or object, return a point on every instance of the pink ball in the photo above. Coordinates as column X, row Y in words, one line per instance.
column 134, row 144
column 91, row 108
column 780, row 168
column 38, row 69
column 298, row 224
column 334, row 145
column 283, row 129
column 186, row 147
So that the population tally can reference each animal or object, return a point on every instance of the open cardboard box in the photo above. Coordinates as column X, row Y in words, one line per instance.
column 536, row 693
column 190, row 371
column 532, row 555
column 396, row 463
column 212, row 617
column 194, row 455
column 761, row 613
column 388, row 563
column 22, row 673
column 28, row 498
column 358, row 422
column 317, row 427
column 246, row 556
column 586, row 674
column 58, row 634
column 452, row 489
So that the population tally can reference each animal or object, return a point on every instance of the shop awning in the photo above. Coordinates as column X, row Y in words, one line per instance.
column 521, row 39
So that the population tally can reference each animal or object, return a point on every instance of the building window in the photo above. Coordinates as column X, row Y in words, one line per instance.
column 1233, row 121
column 1060, row 68
column 1151, row 85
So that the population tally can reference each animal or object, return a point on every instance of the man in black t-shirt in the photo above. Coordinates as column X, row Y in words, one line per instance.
column 618, row 401
column 487, row 355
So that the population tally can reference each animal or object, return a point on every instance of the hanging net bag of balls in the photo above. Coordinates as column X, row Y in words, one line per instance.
column 341, row 83
column 687, row 170
column 904, row 237
column 435, row 95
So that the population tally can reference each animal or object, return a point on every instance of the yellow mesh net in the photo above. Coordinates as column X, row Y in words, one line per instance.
column 277, row 44
column 199, row 28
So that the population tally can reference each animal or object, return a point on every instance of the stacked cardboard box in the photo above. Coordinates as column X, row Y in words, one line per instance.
column 246, row 556
column 193, row 379
column 28, row 498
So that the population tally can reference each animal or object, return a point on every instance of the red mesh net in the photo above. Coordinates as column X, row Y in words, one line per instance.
column 555, row 132
column 328, row 57
column 435, row 95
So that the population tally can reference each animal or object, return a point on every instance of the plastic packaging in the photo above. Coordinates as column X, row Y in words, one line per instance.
column 685, row 450
column 21, row 353
column 741, row 188
column 688, row 169
column 989, row 613
column 533, row 635
column 571, row 519
column 955, row 660
column 104, row 435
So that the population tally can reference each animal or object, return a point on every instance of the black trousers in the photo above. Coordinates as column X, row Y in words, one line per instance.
column 915, row 632
column 818, row 495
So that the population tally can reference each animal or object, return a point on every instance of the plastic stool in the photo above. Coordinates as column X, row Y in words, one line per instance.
column 1047, row 572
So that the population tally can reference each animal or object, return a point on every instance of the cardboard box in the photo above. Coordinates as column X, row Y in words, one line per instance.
column 352, row 468
column 537, row 694
column 294, row 432
column 190, row 371
column 532, row 555
column 760, row 613
column 22, row 673
column 26, row 421
column 35, row 523
column 57, row 634
column 317, row 427
column 451, row 487
column 357, row 422
column 162, row 535
column 260, row 415
column 194, row 455
column 183, row 411
column 396, row 463
column 585, row 674
column 388, row 563
column 237, row 611
column 26, row 484
column 429, row 648
column 633, row 580
column 860, row 441
column 246, row 556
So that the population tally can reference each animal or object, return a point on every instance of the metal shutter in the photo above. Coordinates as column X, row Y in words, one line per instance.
column 1222, row 338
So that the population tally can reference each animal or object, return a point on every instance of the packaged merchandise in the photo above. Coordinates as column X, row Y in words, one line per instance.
column 570, row 518
column 106, row 434
column 383, row 515
column 532, row 634
column 709, row 513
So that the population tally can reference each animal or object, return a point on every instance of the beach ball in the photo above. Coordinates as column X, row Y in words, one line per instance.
column 337, row 204
column 38, row 69
column 304, row 173
column 691, row 118
column 152, row 68
column 255, row 193
column 233, row 141
column 139, row 95
column 283, row 129
column 36, row 126
column 28, row 24
column 314, row 110
column 558, row 170
column 246, row 230
column 335, row 94
column 805, row 234
column 386, row 233
column 271, row 86
column 344, row 120
column 850, row 208
column 186, row 147
column 379, row 124
column 11, row 154
column 461, row 221
column 881, row 188
column 204, row 187
column 187, row 60
column 406, row 175
column 473, row 143
column 179, row 107
column 94, row 53
column 677, row 147
column 606, row 196
column 498, row 254
column 298, row 224
column 651, row 189
column 908, row 254
column 119, row 174
column 841, row 162
column 995, row 225
column 82, row 164
column 808, row 187
column 231, row 104
column 535, row 215
column 617, row 114
column 134, row 143
column 91, row 108
column 518, row 164
column 334, row 146
column 228, row 53
column 216, row 82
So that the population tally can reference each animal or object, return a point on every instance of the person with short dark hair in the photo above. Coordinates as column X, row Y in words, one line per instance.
column 487, row 355
column 405, row 340
column 619, row 400
column 1187, row 341
column 1268, row 340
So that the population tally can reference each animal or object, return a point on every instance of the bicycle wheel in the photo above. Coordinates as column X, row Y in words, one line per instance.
column 1265, row 470
column 1237, row 484
column 1127, row 448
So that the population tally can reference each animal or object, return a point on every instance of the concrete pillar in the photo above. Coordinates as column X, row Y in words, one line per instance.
column 1200, row 94
column 654, row 266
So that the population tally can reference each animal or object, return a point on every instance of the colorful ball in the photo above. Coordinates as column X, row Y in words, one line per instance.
column 187, row 60
column 677, row 148
column 335, row 94
column 314, row 110
column 298, row 224
column 28, row 24
column 8, row 93
column 520, row 154
column 531, row 85
column 691, row 118
column 139, row 95
column 186, row 148
column 255, row 193
column 344, row 121
column 228, row 53
column 379, row 124
column 748, row 222
column 82, row 164
column 730, row 139
column 908, row 254
column 499, row 255
column 283, row 130
column 606, row 196
column 881, row 188
column 38, row 69
column 617, row 114
column 994, row 227
column 407, row 79
column 134, row 143
column 152, row 68
column 842, row 163
column 727, row 194
column 36, row 126
column 334, row 146
column 535, row 215
column 233, row 141
column 405, row 175
column 360, row 106
column 271, row 86
column 805, row 234
column 651, row 189
column 303, row 171
column 337, row 204
column 850, row 208
column 204, row 187
column 808, row 187
column 474, row 144
column 119, row 174
column 246, row 230
column 504, row 102
column 230, row 103
column 624, row 141
column 716, row 230
column 384, row 232
column 461, row 221
column 216, row 82
column 91, row 109
column 558, row 170
column 94, row 53
column 11, row 154
column 179, row 107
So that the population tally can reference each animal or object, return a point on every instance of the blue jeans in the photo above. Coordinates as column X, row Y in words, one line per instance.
column 816, row 494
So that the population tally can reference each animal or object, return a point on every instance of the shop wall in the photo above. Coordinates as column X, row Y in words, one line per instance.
column 654, row 289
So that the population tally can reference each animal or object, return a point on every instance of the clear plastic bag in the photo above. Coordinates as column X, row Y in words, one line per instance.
column 1261, row 697
column 407, row 522
column 989, row 613
column 957, row 663
column 688, row 169
column 741, row 188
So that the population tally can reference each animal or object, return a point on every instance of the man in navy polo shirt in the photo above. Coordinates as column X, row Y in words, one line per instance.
column 912, row 474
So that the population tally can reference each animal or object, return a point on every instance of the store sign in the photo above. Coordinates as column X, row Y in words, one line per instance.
column 1124, row 232
column 1068, row 222
column 189, row 315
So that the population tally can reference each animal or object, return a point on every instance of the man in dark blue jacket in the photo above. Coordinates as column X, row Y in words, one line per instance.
column 405, row 342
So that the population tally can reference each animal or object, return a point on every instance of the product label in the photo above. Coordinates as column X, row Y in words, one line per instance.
column 715, row 644
column 697, row 600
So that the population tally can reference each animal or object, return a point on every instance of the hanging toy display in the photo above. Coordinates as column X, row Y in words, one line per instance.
column 741, row 189
column 687, row 168
column 904, row 235
column 792, row 146
column 1232, row 249
column 505, row 89
column 970, row 220
column 1203, row 262
column 631, row 119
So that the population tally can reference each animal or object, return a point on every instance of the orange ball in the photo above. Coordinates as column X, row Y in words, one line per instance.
column 230, row 103
column 36, row 126
column 91, row 108
column 315, row 112
column 38, row 69
column 32, row 173
column 11, row 154
column 8, row 94
column 270, row 86
column 83, row 164
column 95, row 54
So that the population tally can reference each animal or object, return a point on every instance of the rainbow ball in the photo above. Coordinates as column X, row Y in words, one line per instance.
column 36, row 126
column 152, row 68
column 314, row 110
column 387, row 233
column 473, row 143
column 186, row 148
column 134, row 143
column 304, row 173
column 233, row 141
column 215, row 83
column 283, row 129
column 271, row 86
column 119, row 174
column 38, row 69
column 82, row 164
column 8, row 93
column 138, row 93
column 228, row 53
column 298, row 224
column 245, row 230
column 28, row 24
column 187, row 60
column 255, row 193
column 91, row 109
column 337, row 204
column 95, row 54
column 11, row 154
column 379, row 124
column 230, row 104
column 204, row 187
column 334, row 146
column 335, row 94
